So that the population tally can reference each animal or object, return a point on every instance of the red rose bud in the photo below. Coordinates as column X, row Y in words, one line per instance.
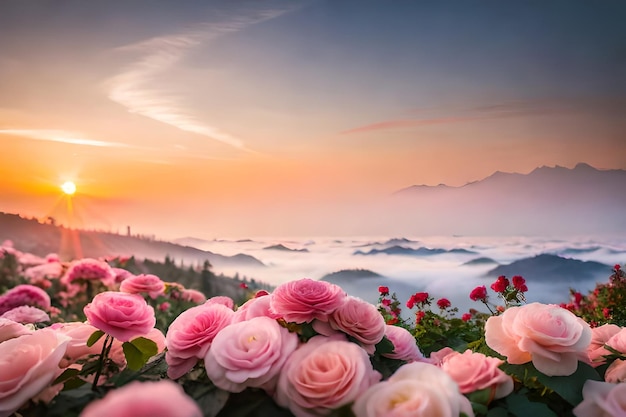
column 420, row 297
column 383, row 290
column 419, row 316
column 479, row 293
column 261, row 293
column 500, row 284
column 466, row 317
column 617, row 267
column 443, row 303
column 519, row 283
column 243, row 285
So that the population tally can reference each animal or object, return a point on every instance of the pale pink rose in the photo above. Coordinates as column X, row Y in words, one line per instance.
column 616, row 372
column 416, row 389
column 304, row 300
column 88, row 269
column 602, row 399
column 10, row 329
column 405, row 345
column 24, row 295
column 29, row 259
column 249, row 354
column 473, row 371
column 194, row 296
column 143, row 284
column 599, row 337
column 222, row 299
column 190, row 335
column 618, row 341
column 28, row 364
column 40, row 273
column 144, row 399
column 324, row 374
column 26, row 314
column 254, row 307
column 123, row 316
column 361, row 320
column 77, row 348
column 553, row 338
column 121, row 274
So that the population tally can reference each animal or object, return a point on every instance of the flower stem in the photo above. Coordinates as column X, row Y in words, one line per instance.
column 101, row 361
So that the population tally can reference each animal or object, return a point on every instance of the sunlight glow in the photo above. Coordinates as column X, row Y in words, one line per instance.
column 68, row 187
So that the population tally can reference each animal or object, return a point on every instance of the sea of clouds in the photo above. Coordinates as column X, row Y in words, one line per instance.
column 442, row 275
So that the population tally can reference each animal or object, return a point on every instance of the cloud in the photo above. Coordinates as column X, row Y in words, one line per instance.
column 62, row 136
column 134, row 88
column 503, row 110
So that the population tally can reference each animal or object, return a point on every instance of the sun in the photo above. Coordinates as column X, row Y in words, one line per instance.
column 68, row 187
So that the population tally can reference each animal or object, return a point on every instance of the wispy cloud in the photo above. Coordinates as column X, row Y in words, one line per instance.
column 62, row 136
column 134, row 87
column 503, row 110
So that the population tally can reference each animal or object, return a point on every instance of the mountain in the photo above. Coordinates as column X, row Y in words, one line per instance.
column 350, row 275
column 284, row 248
column 403, row 250
column 547, row 267
column 29, row 235
column 548, row 200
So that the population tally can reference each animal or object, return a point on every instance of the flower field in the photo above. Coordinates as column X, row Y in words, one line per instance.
column 89, row 338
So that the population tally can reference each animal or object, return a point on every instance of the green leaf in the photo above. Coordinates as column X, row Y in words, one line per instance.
column 95, row 336
column 521, row 406
column 570, row 387
column 385, row 346
column 138, row 351
column 498, row 412
column 67, row 374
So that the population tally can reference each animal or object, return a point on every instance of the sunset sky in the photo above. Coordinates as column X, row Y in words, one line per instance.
column 244, row 118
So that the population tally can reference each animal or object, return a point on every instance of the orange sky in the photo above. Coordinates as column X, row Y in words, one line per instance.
column 277, row 119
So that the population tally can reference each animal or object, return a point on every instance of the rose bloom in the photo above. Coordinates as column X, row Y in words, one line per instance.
column 602, row 399
column 222, row 299
column 143, row 284
column 24, row 295
column 10, row 329
column 474, row 371
column 193, row 296
column 40, row 273
column 519, row 283
column 254, row 307
column 304, row 300
column 26, row 314
column 405, row 346
column 478, row 293
column 144, row 399
column 415, row 389
column 79, row 333
column 324, row 374
column 553, row 338
column 500, row 284
column 28, row 364
column 89, row 270
column 121, row 315
column 599, row 337
column 190, row 335
column 361, row 320
column 616, row 372
column 443, row 303
column 249, row 354
column 618, row 341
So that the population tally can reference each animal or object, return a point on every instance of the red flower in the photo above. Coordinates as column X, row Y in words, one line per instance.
column 606, row 312
column 578, row 297
column 410, row 303
column 443, row 303
column 261, row 293
column 386, row 302
column 519, row 283
column 479, row 293
column 420, row 297
column 617, row 267
column 419, row 316
column 243, row 285
column 392, row 321
column 500, row 284
column 466, row 317
column 383, row 290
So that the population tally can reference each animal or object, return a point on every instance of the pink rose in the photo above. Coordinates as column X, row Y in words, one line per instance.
column 324, row 374
column 39, row 273
column 10, row 329
column 143, row 284
column 416, row 389
column 144, row 399
column 405, row 346
column 599, row 337
column 249, row 354
column 28, row 364
column 189, row 336
column 123, row 316
column 88, row 269
column 304, row 300
column 553, row 338
column 77, row 348
column 193, row 296
column 121, row 274
column 361, row 320
column 602, row 399
column 254, row 307
column 618, row 341
column 474, row 371
column 24, row 295
column 26, row 314
column 221, row 299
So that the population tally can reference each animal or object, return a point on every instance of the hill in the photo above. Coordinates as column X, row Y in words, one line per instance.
column 421, row 251
column 29, row 235
column 547, row 267
column 553, row 200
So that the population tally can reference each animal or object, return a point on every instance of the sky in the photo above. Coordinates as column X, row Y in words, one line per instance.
column 245, row 118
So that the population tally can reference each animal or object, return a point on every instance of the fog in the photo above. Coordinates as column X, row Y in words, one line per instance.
column 441, row 275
